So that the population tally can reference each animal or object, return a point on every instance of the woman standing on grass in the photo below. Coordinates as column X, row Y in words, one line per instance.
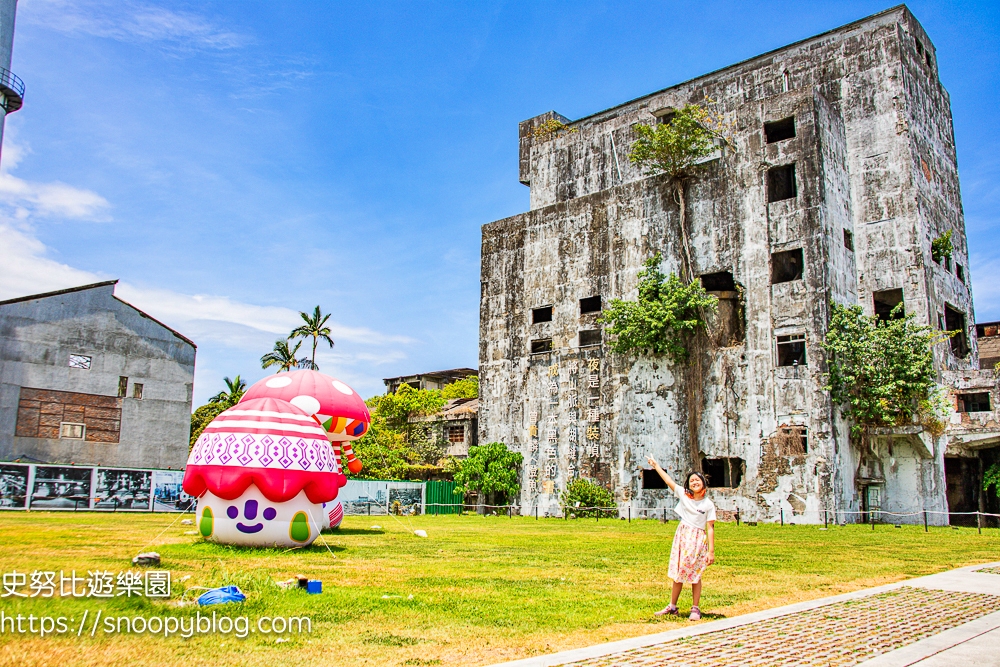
column 693, row 549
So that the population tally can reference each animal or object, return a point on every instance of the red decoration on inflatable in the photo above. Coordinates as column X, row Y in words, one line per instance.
column 267, row 442
column 335, row 406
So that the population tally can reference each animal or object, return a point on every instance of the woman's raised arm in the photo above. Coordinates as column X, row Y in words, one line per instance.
column 662, row 473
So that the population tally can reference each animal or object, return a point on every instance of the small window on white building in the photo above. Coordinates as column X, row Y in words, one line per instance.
column 80, row 361
column 137, row 391
column 792, row 350
column 456, row 434
column 70, row 431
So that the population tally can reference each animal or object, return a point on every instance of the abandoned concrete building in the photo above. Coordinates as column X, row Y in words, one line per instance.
column 432, row 380
column 86, row 378
column 840, row 171
column 455, row 426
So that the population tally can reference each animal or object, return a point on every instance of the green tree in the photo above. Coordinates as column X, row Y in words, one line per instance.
column 881, row 372
column 313, row 326
column 491, row 470
column 393, row 447
column 464, row 388
column 219, row 403
column 283, row 356
column 677, row 149
column 992, row 478
column 664, row 319
column 581, row 494
column 942, row 247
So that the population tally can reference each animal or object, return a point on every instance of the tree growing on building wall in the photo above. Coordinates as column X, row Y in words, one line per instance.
column 668, row 313
column 283, row 356
column 219, row 403
column 678, row 148
column 491, row 470
column 582, row 496
column 881, row 372
column 942, row 247
column 313, row 326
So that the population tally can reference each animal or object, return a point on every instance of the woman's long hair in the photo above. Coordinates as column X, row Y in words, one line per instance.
column 687, row 482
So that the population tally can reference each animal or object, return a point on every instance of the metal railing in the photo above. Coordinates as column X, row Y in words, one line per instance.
column 13, row 90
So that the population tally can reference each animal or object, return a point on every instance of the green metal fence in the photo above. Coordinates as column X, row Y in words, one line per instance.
column 440, row 498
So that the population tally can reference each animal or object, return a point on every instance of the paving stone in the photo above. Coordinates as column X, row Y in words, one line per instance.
column 844, row 633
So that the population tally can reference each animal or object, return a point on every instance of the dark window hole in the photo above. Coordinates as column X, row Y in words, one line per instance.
column 591, row 304
column 718, row 282
column 954, row 320
column 978, row 402
column 792, row 350
column 780, row 130
column 885, row 301
column 723, row 472
column 848, row 240
column 543, row 314
column 590, row 337
column 781, row 183
column 786, row 266
column 541, row 345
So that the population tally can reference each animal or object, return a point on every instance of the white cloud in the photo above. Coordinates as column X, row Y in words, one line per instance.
column 25, row 269
column 51, row 199
column 130, row 22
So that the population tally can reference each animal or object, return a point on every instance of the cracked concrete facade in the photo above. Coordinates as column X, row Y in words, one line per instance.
column 875, row 181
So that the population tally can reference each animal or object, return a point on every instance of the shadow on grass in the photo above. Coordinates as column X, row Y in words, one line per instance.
column 353, row 531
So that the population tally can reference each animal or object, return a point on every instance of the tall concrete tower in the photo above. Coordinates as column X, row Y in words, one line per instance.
column 11, row 87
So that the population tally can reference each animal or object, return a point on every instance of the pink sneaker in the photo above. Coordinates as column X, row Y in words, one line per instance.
column 695, row 614
column 669, row 610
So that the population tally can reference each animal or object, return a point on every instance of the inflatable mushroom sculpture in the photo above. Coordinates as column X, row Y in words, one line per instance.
column 336, row 407
column 262, row 471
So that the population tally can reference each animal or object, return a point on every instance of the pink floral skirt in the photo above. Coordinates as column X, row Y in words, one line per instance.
column 688, row 555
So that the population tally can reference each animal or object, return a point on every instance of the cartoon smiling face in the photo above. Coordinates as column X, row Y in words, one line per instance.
column 253, row 520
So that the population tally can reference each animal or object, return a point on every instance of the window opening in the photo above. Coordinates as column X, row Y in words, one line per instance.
column 543, row 314
column 927, row 58
column 954, row 320
column 792, row 350
column 849, row 240
column 780, row 130
column 724, row 472
column 665, row 116
column 786, row 266
column 947, row 263
column 591, row 304
column 885, row 300
column 70, row 431
column 122, row 386
column 978, row 402
column 137, row 390
column 456, row 434
column 960, row 272
column 792, row 440
column 920, row 47
column 781, row 183
column 541, row 345
column 590, row 337
column 718, row 282
column 80, row 361
column 652, row 480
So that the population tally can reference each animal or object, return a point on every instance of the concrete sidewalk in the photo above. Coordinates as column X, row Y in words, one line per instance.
column 929, row 621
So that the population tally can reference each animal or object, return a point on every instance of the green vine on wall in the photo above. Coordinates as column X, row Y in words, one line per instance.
column 881, row 372
column 942, row 247
column 992, row 478
column 664, row 319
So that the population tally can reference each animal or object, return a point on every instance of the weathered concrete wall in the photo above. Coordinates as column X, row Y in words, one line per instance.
column 36, row 338
column 866, row 114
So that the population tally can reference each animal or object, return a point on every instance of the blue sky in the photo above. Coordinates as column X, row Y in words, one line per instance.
column 234, row 163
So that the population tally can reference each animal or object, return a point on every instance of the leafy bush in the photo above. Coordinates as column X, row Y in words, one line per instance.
column 491, row 470
column 881, row 372
column 992, row 478
column 663, row 320
column 581, row 494
column 942, row 247
column 464, row 388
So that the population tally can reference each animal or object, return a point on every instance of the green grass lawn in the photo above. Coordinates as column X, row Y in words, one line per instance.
column 478, row 590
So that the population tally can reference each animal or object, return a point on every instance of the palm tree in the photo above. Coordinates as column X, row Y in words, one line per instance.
column 314, row 326
column 232, row 394
column 283, row 357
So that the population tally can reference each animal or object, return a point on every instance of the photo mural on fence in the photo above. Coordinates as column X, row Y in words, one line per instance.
column 267, row 471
